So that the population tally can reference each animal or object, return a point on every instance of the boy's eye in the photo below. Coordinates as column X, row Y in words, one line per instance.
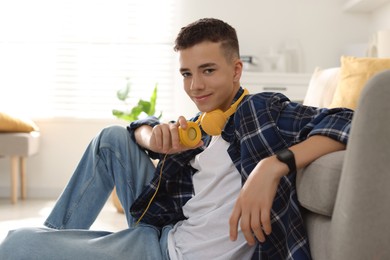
column 185, row 74
column 209, row 71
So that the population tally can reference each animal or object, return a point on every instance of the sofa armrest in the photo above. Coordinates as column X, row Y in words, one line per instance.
column 360, row 227
column 317, row 184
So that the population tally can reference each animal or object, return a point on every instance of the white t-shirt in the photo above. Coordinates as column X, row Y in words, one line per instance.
column 205, row 232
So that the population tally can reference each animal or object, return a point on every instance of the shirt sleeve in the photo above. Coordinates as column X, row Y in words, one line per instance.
column 298, row 122
column 295, row 122
column 150, row 121
column 269, row 122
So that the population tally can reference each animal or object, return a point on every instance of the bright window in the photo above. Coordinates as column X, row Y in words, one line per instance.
column 67, row 58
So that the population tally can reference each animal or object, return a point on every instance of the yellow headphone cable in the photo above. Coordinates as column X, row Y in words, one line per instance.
column 155, row 192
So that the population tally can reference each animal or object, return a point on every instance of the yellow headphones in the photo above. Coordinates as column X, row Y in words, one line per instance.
column 212, row 123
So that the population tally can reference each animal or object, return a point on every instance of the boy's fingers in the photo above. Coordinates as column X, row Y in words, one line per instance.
column 182, row 122
column 233, row 223
column 256, row 226
column 174, row 135
column 245, row 224
column 266, row 222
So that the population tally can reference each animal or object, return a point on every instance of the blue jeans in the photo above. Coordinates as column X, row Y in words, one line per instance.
column 111, row 159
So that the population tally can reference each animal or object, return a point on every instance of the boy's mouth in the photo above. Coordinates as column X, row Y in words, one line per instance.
column 201, row 98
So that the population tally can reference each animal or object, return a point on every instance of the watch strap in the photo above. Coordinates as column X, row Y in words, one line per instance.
column 287, row 156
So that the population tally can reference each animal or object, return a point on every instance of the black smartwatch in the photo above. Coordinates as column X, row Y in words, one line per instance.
column 287, row 156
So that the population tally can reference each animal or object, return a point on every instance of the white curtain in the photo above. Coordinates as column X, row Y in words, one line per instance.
column 67, row 58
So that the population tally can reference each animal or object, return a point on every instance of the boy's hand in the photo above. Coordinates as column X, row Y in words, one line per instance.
column 164, row 138
column 254, row 203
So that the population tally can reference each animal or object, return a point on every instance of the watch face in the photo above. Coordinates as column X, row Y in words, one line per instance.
column 286, row 156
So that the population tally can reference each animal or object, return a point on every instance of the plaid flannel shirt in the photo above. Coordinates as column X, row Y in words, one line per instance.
column 263, row 124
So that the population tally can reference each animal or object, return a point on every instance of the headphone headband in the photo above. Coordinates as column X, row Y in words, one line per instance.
column 234, row 106
column 212, row 123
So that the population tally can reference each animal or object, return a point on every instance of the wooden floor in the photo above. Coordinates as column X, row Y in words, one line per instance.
column 33, row 212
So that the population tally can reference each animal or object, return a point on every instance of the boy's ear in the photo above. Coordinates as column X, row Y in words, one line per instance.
column 237, row 70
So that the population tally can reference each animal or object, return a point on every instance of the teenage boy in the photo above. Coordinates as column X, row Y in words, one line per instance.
column 231, row 196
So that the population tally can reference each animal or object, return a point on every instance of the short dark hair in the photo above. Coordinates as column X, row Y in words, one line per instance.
column 209, row 29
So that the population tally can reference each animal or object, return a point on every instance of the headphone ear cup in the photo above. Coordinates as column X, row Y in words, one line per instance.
column 213, row 122
column 191, row 136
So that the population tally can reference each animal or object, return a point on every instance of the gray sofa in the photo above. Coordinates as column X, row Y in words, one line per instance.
column 346, row 195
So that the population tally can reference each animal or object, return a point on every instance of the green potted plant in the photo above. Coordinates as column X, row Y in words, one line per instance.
column 143, row 107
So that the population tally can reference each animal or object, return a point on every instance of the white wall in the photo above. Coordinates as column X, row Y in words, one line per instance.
column 321, row 27
column 381, row 19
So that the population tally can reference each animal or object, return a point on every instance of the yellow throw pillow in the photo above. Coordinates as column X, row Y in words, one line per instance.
column 354, row 73
column 10, row 123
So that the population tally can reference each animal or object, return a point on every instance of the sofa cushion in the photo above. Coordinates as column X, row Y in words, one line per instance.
column 354, row 74
column 321, row 88
column 317, row 184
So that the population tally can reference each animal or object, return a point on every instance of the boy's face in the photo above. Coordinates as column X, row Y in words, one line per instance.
column 209, row 79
